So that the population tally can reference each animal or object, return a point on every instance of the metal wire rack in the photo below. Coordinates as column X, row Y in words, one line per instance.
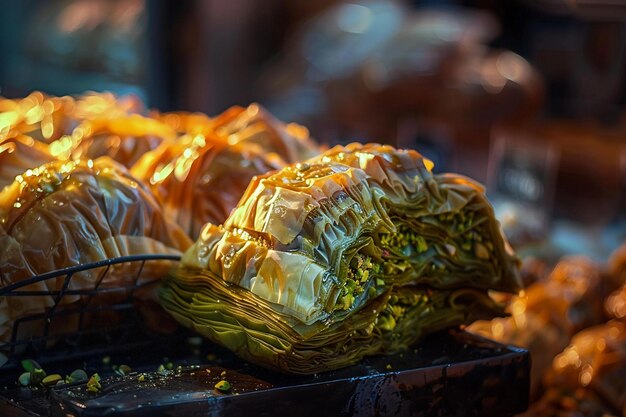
column 81, row 321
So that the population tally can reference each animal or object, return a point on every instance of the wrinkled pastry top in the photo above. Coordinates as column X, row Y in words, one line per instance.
column 285, row 240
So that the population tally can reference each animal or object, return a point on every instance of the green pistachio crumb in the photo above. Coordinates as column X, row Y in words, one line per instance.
column 37, row 376
column 24, row 379
column 223, row 385
column 422, row 246
column 52, row 379
column 386, row 323
column 93, row 385
column 78, row 375
column 30, row 365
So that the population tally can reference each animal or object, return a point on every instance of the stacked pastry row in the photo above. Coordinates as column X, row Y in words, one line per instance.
column 95, row 177
column 359, row 251
column 572, row 318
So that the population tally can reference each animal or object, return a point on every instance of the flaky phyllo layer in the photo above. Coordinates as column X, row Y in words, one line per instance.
column 359, row 251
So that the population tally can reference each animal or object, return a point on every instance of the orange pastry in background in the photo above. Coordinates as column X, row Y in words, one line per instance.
column 200, row 177
column 549, row 312
column 65, row 214
column 251, row 125
column 18, row 153
column 46, row 118
column 124, row 139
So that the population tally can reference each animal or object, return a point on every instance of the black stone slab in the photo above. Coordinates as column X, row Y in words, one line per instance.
column 446, row 374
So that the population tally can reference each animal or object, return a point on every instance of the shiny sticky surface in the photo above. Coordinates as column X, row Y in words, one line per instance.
column 70, row 213
column 201, row 176
column 272, row 283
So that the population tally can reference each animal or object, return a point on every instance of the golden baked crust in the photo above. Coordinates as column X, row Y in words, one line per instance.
column 358, row 251
column 65, row 214
column 124, row 139
column 19, row 153
column 200, row 177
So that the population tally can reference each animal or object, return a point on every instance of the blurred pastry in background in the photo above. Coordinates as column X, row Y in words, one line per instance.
column 549, row 312
column 252, row 124
column 200, row 177
column 617, row 265
column 533, row 269
column 105, row 105
column 255, row 125
column 588, row 375
column 615, row 304
column 47, row 118
column 19, row 153
column 124, row 139
column 184, row 122
column 43, row 117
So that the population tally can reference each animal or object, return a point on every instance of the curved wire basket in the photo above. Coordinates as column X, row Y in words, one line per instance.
column 99, row 324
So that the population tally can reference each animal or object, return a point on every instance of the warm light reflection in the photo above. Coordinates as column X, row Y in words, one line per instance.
column 62, row 147
column 8, row 120
column 492, row 80
column 512, row 66
column 616, row 304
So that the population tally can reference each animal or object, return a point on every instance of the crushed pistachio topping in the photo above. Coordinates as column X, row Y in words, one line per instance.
column 359, row 272
column 396, row 309
column 404, row 241
column 470, row 232
column 399, row 247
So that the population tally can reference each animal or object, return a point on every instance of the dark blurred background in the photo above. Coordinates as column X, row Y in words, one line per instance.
column 527, row 96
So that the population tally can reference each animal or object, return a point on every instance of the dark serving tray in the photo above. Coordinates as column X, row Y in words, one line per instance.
column 447, row 374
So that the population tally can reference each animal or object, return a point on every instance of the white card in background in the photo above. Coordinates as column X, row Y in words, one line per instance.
column 521, row 179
